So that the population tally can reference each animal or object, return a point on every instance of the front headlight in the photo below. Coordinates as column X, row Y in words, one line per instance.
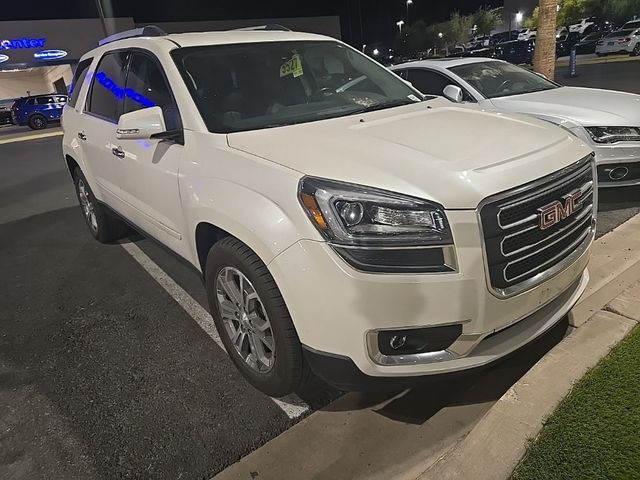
column 614, row 134
column 377, row 230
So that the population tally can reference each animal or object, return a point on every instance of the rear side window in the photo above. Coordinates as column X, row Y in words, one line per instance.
column 44, row 100
column 30, row 102
column 78, row 80
column 61, row 99
column 147, row 87
column 107, row 88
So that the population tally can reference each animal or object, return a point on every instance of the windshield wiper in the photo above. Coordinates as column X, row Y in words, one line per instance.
column 381, row 106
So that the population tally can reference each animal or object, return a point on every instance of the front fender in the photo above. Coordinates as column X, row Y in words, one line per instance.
column 251, row 216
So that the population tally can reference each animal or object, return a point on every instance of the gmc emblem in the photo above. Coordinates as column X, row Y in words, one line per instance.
column 558, row 210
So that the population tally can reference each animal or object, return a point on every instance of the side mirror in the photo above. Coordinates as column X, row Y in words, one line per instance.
column 453, row 93
column 141, row 124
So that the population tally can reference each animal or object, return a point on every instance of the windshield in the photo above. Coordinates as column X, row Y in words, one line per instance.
column 261, row 85
column 620, row 33
column 501, row 79
column 591, row 36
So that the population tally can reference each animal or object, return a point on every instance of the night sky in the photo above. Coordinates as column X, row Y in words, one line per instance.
column 378, row 16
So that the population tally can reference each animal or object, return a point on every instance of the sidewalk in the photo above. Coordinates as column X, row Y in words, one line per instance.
column 461, row 435
column 593, row 59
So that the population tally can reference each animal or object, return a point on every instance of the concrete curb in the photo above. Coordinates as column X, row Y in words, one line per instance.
column 604, row 316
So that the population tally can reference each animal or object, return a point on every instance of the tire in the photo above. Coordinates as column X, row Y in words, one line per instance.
column 287, row 369
column 103, row 226
column 37, row 122
column 636, row 50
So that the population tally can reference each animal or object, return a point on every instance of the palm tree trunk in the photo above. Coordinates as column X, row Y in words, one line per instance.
column 544, row 58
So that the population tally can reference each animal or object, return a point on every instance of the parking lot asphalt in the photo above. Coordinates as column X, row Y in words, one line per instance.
column 622, row 76
column 104, row 375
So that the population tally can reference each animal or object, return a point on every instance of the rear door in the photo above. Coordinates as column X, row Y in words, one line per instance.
column 46, row 106
column 150, row 167
column 97, row 130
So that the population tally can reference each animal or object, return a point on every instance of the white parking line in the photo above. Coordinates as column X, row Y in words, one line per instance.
column 292, row 405
column 24, row 138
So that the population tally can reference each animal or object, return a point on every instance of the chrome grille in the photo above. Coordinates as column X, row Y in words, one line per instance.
column 519, row 253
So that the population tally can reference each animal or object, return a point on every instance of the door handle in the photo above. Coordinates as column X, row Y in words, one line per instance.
column 118, row 152
column 82, row 136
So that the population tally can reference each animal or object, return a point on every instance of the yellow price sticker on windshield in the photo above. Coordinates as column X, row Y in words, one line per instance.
column 292, row 67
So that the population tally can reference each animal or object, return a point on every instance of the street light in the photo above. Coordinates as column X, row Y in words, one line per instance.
column 440, row 35
column 400, row 23
column 376, row 52
column 409, row 3
column 519, row 16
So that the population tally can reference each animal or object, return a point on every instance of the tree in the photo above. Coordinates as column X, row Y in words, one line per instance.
column 573, row 11
column 458, row 29
column 486, row 20
column 532, row 21
column 544, row 58
column 616, row 11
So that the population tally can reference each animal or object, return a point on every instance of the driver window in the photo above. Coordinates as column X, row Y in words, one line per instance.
column 146, row 87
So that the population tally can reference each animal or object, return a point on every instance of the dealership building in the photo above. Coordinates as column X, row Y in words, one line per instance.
column 38, row 57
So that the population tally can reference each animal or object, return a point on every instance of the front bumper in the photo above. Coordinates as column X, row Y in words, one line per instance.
column 618, row 164
column 335, row 309
column 342, row 373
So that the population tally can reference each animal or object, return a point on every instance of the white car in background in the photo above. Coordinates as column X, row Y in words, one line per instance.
column 620, row 41
column 633, row 24
column 582, row 26
column 607, row 121
column 527, row 34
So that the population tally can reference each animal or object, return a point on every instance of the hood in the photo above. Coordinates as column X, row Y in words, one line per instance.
column 586, row 106
column 453, row 155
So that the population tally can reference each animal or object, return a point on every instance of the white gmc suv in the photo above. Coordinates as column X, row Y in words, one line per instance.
column 344, row 224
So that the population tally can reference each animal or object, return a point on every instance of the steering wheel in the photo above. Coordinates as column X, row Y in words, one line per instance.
column 504, row 85
column 322, row 93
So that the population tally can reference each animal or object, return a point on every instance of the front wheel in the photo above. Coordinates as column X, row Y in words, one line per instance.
column 37, row 122
column 636, row 50
column 253, row 320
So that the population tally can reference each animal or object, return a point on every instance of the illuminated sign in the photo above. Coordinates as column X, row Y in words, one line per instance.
column 49, row 54
column 3, row 58
column 17, row 43
column 120, row 92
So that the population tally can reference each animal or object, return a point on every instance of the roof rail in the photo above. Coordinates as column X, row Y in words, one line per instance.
column 148, row 31
column 268, row 27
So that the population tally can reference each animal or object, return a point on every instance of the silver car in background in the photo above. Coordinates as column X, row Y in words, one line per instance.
column 607, row 121
column 620, row 41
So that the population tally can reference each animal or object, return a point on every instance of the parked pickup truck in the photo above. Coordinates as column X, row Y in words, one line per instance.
column 345, row 225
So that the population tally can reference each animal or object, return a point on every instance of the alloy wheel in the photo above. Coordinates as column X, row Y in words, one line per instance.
column 87, row 205
column 38, row 122
column 245, row 319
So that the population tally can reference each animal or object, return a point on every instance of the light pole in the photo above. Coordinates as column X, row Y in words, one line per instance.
column 409, row 3
column 400, row 23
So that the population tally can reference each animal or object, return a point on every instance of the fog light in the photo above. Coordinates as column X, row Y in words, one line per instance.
column 397, row 341
column 418, row 340
column 617, row 173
